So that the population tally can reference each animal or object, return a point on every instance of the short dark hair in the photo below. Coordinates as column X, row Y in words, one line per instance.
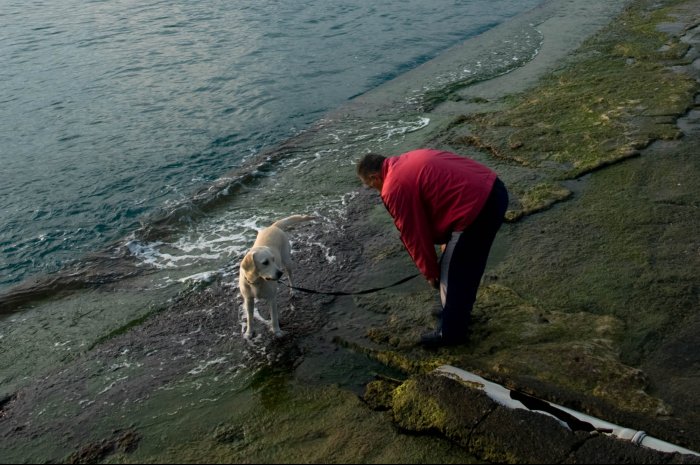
column 371, row 163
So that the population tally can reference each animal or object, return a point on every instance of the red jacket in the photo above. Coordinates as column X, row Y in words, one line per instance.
column 430, row 194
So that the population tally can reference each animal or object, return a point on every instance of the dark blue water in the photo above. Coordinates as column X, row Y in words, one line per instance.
column 113, row 109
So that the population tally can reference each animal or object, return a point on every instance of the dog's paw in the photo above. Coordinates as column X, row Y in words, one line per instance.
column 248, row 335
column 279, row 333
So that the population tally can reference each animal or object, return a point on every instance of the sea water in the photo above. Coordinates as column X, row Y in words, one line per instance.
column 116, row 112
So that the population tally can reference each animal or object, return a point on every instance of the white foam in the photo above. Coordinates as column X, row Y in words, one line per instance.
column 363, row 131
column 330, row 258
column 215, row 242
column 226, row 237
column 203, row 366
column 205, row 276
column 398, row 128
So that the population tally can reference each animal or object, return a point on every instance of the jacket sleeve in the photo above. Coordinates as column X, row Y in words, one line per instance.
column 406, row 208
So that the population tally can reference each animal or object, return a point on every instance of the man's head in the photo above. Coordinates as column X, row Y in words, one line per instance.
column 369, row 170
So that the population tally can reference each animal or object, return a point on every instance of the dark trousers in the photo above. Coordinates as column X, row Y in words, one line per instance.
column 464, row 262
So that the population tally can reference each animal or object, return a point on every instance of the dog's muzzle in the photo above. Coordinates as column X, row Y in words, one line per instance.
column 277, row 276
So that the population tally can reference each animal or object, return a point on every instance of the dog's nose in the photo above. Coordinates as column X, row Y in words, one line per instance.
column 279, row 274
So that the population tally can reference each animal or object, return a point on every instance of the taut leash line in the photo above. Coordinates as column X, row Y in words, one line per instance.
column 366, row 291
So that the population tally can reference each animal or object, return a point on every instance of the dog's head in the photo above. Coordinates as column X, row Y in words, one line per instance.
column 261, row 263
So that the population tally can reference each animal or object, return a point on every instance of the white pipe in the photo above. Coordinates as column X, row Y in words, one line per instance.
column 502, row 396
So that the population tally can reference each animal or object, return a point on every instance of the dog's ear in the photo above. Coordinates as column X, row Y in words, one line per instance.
column 248, row 263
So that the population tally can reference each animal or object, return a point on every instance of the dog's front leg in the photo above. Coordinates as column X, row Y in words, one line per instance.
column 275, row 317
column 248, row 305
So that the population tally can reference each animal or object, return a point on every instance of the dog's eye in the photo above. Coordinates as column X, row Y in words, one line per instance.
column 265, row 262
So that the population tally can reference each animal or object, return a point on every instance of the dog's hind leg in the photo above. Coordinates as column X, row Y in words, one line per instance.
column 292, row 291
column 248, row 305
column 275, row 318
column 287, row 264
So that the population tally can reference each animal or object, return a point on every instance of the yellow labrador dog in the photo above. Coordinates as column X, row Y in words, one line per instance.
column 263, row 265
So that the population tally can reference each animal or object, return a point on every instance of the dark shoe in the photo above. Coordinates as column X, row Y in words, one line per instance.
column 434, row 339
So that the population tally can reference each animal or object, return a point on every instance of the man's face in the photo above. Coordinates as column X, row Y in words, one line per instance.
column 374, row 181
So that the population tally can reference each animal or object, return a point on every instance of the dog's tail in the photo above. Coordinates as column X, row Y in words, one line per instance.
column 292, row 220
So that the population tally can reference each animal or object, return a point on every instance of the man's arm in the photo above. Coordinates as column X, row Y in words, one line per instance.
column 410, row 219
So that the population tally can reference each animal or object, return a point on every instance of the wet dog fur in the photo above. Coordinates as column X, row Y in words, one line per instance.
column 263, row 266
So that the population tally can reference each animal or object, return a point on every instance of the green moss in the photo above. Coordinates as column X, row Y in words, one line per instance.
column 538, row 198
column 583, row 117
column 305, row 431
column 405, row 362
column 418, row 412
column 577, row 351
column 379, row 394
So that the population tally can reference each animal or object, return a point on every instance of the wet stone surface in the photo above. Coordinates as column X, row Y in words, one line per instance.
column 589, row 301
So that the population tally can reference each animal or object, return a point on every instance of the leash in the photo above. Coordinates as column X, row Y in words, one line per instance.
column 366, row 291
